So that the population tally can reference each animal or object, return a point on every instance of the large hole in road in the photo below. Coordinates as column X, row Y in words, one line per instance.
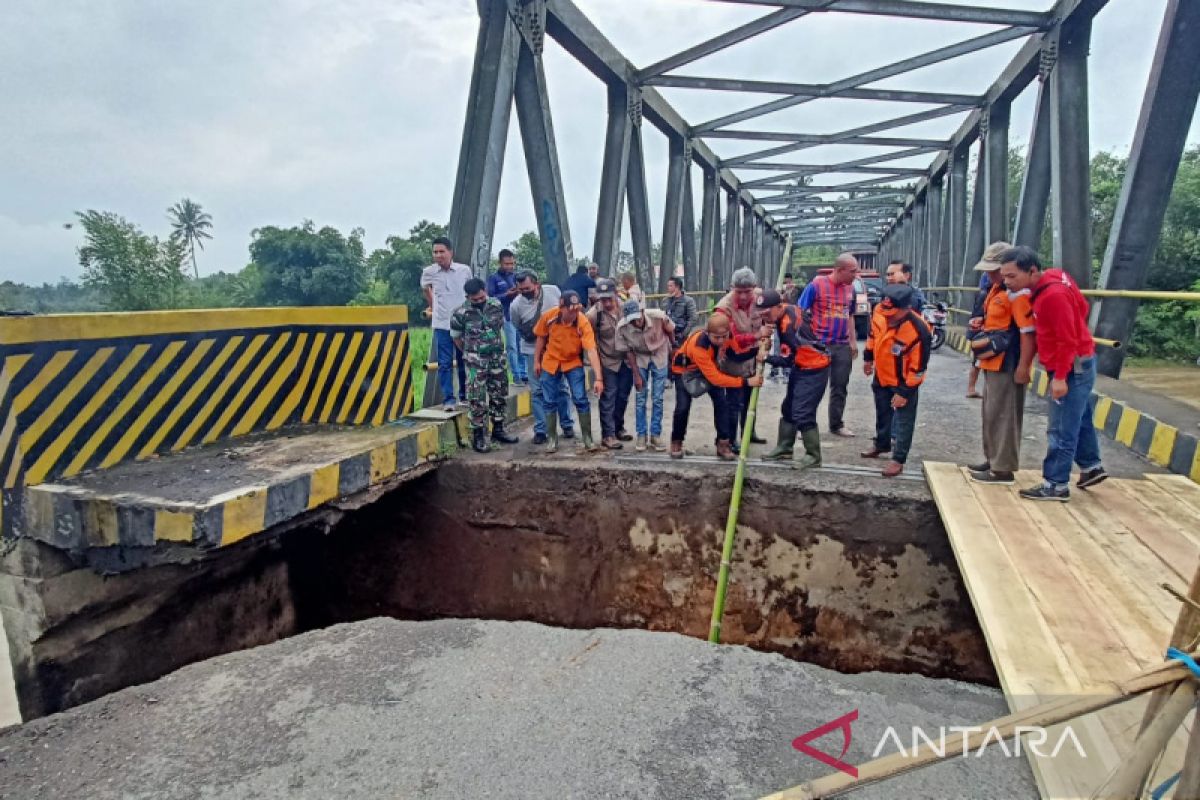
column 847, row 578
column 850, row 573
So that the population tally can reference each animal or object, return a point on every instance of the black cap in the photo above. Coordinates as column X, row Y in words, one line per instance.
column 901, row 294
column 768, row 298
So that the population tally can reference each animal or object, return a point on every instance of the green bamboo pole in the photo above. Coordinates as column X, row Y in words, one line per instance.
column 739, row 477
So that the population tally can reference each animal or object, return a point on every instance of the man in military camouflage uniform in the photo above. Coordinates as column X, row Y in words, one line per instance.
column 477, row 327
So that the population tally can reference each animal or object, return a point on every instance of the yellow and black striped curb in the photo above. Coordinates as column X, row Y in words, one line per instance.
column 88, row 391
column 1163, row 444
column 72, row 517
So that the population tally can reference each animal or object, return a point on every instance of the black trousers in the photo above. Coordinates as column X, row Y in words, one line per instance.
column 614, row 400
column 725, row 408
column 839, row 382
column 894, row 427
column 806, row 389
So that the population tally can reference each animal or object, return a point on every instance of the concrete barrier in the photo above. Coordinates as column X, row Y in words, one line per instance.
column 87, row 391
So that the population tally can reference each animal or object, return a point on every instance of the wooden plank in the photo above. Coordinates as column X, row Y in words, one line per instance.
column 1176, row 551
column 1029, row 661
column 1166, row 506
column 1181, row 488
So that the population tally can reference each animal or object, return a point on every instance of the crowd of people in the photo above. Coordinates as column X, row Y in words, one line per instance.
column 598, row 330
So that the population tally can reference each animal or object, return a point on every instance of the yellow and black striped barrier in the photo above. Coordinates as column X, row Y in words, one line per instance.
column 1163, row 444
column 87, row 391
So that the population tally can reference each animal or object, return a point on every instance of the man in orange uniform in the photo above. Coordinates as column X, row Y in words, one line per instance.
column 698, row 357
column 897, row 353
column 1003, row 343
column 564, row 335
column 808, row 361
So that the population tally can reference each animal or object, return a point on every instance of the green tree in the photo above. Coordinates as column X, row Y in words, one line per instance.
column 133, row 271
column 303, row 266
column 225, row 289
column 528, row 250
column 191, row 226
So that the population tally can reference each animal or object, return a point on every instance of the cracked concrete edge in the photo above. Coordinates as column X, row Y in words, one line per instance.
column 74, row 518
column 1160, row 443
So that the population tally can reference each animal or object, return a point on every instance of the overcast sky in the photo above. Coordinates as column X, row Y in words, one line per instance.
column 350, row 112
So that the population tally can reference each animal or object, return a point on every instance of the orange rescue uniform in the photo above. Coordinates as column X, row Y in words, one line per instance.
column 1002, row 310
column 899, row 348
column 564, row 343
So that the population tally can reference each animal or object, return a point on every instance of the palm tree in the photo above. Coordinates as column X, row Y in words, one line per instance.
column 191, row 225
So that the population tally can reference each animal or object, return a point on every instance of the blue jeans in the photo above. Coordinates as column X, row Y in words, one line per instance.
column 447, row 355
column 557, row 387
column 1070, row 434
column 516, row 364
column 654, row 380
column 537, row 400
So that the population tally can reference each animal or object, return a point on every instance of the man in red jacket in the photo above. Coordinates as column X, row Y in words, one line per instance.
column 1066, row 350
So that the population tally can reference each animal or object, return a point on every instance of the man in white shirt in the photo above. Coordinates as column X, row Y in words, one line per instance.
column 443, row 282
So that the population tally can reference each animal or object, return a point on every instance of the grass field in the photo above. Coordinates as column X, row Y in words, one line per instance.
column 419, row 340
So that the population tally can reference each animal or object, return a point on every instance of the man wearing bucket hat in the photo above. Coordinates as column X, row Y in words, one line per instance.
column 897, row 354
column 1002, row 346
column 646, row 336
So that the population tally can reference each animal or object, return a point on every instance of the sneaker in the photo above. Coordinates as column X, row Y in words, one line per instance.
column 1091, row 477
column 981, row 467
column 539, row 438
column 845, row 432
column 657, row 443
column 988, row 476
column 641, row 444
column 1045, row 492
column 450, row 407
column 568, row 433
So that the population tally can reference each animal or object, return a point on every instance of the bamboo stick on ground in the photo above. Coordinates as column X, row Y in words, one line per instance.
column 1188, row 787
column 1042, row 716
column 1129, row 778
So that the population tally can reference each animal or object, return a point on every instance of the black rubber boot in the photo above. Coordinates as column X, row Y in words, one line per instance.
column 500, row 435
column 479, row 441
column 785, row 444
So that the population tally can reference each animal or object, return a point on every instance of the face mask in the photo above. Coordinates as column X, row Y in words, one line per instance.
column 480, row 304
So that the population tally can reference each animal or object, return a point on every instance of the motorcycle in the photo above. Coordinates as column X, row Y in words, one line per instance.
column 935, row 316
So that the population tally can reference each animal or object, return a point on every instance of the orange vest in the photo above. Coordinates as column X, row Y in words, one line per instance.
column 900, row 351
column 797, row 339
column 698, row 353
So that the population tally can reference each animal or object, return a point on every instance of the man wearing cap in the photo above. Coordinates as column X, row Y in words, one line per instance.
column 897, row 354
column 745, row 330
column 1002, row 345
column 695, row 366
column 645, row 336
column 564, row 337
column 1067, row 351
column 807, row 362
column 604, row 317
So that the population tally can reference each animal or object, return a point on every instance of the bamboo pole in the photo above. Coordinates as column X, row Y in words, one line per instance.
column 739, row 478
column 1043, row 716
column 1188, row 787
column 1129, row 778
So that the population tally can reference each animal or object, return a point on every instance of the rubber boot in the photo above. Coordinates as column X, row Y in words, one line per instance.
column 812, row 450
column 551, row 432
column 585, row 434
column 785, row 444
column 502, row 436
column 479, row 441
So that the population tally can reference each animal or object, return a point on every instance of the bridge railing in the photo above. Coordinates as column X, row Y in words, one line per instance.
column 87, row 391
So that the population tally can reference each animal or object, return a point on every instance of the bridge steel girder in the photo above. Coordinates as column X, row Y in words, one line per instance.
column 1167, row 111
column 803, row 93
column 732, row 237
column 916, row 10
column 1035, row 185
column 677, row 168
column 710, row 226
column 731, row 37
column 978, row 225
column 614, row 173
column 958, row 213
column 995, row 198
column 1070, row 187
column 933, row 232
column 687, row 227
column 745, row 249
column 579, row 36
column 485, row 137
column 639, row 208
column 541, row 161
